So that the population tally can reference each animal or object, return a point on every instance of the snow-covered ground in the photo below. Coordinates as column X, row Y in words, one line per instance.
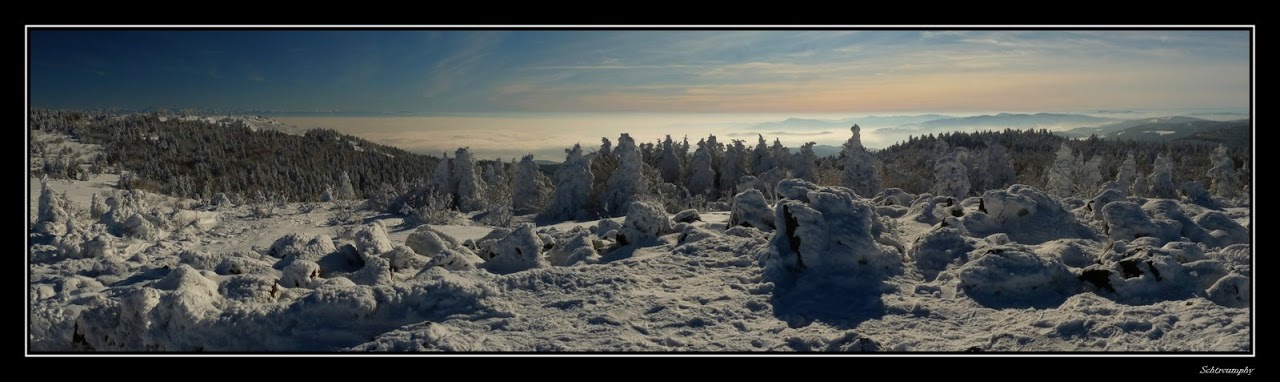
column 1010, row 271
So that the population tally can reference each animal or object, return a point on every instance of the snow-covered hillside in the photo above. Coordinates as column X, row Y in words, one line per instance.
column 818, row 269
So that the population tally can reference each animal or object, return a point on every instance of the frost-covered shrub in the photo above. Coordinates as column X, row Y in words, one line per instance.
column 577, row 250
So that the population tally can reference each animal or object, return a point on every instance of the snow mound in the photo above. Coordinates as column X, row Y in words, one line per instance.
column 751, row 210
column 1013, row 276
column 825, row 229
column 644, row 223
column 521, row 250
column 296, row 246
column 1028, row 216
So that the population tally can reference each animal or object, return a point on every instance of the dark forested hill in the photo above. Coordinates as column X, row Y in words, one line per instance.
column 199, row 158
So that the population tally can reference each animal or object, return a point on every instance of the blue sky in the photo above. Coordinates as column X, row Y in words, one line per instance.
column 640, row 71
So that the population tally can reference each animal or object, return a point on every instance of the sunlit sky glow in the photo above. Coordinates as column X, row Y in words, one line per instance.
column 497, row 73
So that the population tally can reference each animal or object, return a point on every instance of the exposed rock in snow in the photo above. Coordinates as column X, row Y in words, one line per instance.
column 644, row 223
column 751, row 210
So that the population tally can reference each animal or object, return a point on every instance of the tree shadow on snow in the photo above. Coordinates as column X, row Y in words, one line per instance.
column 835, row 301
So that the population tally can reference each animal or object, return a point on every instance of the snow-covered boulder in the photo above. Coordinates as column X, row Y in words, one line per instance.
column 372, row 238
column 1011, row 275
column 750, row 209
column 1233, row 290
column 824, row 229
column 296, row 246
column 1127, row 221
column 937, row 248
column 893, row 197
column 518, row 251
column 242, row 265
column 1028, row 216
column 138, row 227
column 221, row 200
column 644, row 223
column 687, row 216
column 1222, row 230
column 1141, row 275
column 442, row 250
column 1093, row 207
column 301, row 274
column 578, row 249
column 1076, row 253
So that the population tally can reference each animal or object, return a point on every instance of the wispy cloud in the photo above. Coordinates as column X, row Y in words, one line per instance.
column 455, row 70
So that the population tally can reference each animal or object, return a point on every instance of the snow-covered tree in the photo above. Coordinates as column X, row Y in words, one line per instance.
column 626, row 183
column 859, row 167
column 761, row 157
column 1060, row 176
column 733, row 167
column 1223, row 174
column 669, row 163
column 573, row 186
column 1126, row 173
column 701, row 177
column 440, row 179
column 344, row 191
column 1161, row 179
column 1088, row 176
column 950, row 175
column 781, row 155
column 468, row 189
column 804, row 165
column 1140, row 186
column 530, row 186
column 1000, row 173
